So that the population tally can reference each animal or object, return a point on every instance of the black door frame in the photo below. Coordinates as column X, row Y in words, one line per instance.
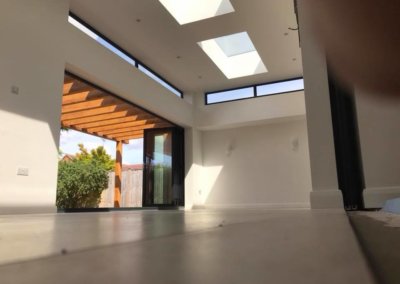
column 178, row 168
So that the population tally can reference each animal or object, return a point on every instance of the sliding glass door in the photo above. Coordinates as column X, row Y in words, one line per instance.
column 163, row 167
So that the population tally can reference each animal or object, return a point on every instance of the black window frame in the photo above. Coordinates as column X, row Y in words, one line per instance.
column 255, row 95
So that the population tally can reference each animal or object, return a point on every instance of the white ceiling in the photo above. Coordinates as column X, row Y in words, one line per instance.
column 149, row 32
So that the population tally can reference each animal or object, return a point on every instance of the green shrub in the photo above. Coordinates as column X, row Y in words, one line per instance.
column 80, row 184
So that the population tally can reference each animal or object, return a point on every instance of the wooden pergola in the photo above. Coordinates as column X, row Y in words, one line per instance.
column 94, row 111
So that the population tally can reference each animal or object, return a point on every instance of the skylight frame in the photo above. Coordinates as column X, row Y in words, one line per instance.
column 189, row 11
column 234, row 66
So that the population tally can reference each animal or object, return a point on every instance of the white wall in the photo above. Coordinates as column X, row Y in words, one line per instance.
column 379, row 128
column 248, row 112
column 193, row 166
column 31, row 59
column 256, row 166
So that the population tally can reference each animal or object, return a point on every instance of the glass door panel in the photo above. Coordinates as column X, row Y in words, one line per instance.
column 158, row 167
column 163, row 176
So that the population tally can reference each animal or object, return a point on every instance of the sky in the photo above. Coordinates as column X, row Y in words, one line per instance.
column 132, row 153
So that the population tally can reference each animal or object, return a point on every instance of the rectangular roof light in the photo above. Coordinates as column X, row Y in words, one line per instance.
column 188, row 11
column 235, row 55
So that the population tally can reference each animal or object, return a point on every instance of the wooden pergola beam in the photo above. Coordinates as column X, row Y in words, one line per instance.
column 67, row 87
column 114, row 121
column 101, row 129
column 97, row 118
column 117, row 135
column 93, row 112
column 134, row 128
column 80, row 96
column 127, row 129
column 90, row 104
column 129, row 137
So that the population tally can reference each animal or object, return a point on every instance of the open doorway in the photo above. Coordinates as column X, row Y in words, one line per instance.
column 118, row 171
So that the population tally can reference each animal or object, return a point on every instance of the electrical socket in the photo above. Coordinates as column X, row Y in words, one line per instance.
column 23, row 172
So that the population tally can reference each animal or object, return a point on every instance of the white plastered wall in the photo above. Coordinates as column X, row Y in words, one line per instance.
column 256, row 166
column 32, row 60
column 254, row 153
column 379, row 129
column 251, row 111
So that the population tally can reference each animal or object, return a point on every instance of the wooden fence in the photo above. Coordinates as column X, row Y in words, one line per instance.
column 131, row 189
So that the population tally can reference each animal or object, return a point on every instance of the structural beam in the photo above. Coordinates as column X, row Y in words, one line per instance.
column 96, row 118
column 67, row 87
column 116, row 136
column 134, row 128
column 106, row 122
column 122, row 125
column 80, row 96
column 92, row 112
column 129, row 137
column 90, row 104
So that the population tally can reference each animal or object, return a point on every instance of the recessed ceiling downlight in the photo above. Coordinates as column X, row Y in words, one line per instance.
column 188, row 11
column 235, row 55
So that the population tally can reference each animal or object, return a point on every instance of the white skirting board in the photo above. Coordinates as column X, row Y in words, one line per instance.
column 375, row 197
column 325, row 199
column 254, row 206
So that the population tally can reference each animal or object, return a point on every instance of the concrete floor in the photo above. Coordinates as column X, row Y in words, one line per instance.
column 379, row 235
column 199, row 246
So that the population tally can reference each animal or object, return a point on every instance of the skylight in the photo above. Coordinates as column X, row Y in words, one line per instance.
column 188, row 11
column 235, row 55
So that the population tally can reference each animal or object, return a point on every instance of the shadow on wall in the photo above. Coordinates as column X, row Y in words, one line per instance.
column 30, row 99
column 25, row 123
column 32, row 69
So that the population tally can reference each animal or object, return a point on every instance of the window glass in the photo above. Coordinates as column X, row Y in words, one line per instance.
column 231, row 95
column 159, row 80
column 281, row 87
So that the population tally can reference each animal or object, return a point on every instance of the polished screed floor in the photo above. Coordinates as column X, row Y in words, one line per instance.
column 199, row 246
